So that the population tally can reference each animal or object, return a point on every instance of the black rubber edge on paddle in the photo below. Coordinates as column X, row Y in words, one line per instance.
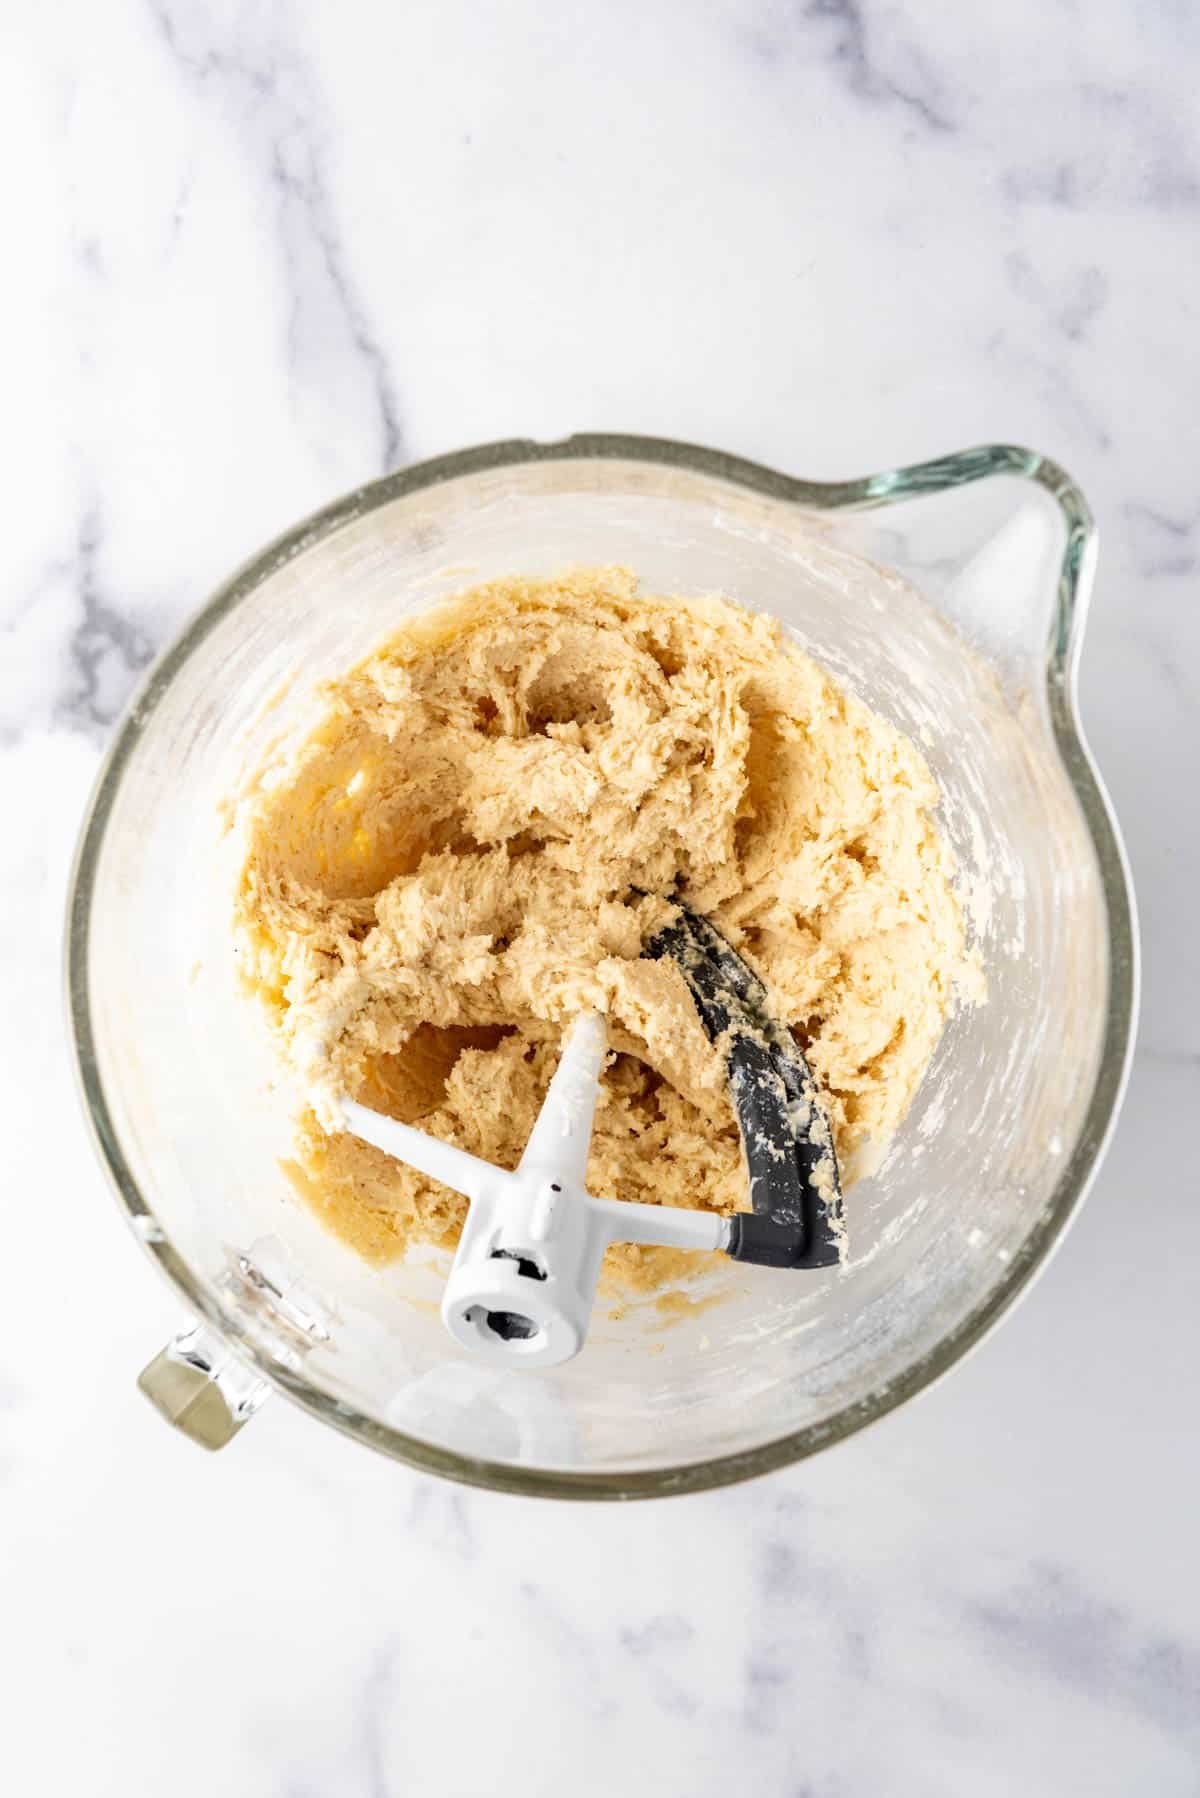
column 795, row 1218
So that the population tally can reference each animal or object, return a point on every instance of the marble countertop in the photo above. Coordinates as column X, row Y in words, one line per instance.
column 260, row 252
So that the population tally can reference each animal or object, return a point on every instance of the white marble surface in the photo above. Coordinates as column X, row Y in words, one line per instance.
column 257, row 253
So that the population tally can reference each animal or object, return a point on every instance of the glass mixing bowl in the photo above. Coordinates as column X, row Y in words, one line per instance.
column 950, row 597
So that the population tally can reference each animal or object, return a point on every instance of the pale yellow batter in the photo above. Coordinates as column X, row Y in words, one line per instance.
column 475, row 842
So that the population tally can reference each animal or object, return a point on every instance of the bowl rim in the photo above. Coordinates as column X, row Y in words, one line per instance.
column 936, row 476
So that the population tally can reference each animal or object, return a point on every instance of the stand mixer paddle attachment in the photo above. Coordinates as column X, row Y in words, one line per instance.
column 524, row 1278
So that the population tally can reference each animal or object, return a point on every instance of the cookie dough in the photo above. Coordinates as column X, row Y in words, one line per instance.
column 473, row 844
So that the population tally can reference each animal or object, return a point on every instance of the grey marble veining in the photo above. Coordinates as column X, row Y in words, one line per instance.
column 267, row 251
column 875, row 53
column 106, row 650
column 267, row 95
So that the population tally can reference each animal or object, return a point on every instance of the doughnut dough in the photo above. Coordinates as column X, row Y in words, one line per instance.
column 487, row 823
